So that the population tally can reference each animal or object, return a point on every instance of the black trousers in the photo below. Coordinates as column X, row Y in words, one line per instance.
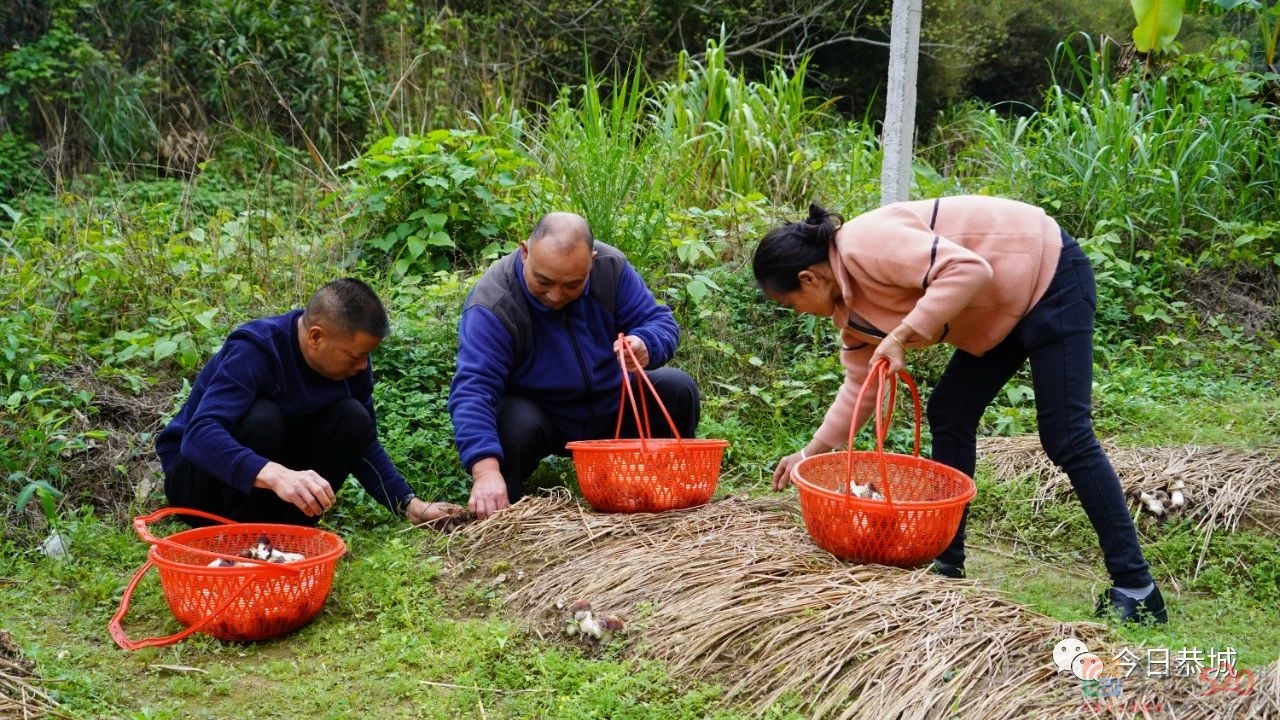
column 528, row 435
column 1057, row 338
column 328, row 441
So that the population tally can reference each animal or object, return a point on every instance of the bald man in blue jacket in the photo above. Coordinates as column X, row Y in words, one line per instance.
column 538, row 358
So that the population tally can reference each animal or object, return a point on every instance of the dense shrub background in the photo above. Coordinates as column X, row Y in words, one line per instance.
column 171, row 169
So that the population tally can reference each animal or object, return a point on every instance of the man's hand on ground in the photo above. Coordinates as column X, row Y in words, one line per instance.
column 437, row 515
column 489, row 491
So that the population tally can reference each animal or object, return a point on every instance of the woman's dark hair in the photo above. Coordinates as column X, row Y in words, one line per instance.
column 787, row 250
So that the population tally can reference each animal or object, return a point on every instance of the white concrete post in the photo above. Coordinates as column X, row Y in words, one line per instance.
column 900, row 102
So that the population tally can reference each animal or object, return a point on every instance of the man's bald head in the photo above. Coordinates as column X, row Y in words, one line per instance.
column 557, row 258
column 562, row 230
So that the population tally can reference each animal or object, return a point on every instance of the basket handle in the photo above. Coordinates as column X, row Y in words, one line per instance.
column 642, row 414
column 116, row 628
column 140, row 526
column 883, row 416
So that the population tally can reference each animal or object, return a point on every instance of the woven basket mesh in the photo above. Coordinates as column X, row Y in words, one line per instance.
column 928, row 500
column 647, row 476
column 266, row 604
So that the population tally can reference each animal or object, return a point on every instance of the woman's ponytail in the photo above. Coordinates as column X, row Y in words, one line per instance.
column 793, row 247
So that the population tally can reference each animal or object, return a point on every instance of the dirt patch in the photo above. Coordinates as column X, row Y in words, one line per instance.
column 1250, row 300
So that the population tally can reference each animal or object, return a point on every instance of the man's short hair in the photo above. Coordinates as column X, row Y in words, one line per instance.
column 349, row 306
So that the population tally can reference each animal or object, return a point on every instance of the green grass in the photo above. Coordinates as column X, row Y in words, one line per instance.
column 398, row 638
column 1066, row 588
column 1142, row 408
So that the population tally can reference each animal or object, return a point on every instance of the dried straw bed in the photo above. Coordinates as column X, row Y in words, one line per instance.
column 736, row 593
column 18, row 697
column 1225, row 488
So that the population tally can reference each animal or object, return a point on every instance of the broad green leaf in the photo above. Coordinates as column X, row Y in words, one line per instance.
column 206, row 318
column 163, row 349
column 433, row 220
column 697, row 290
column 386, row 242
column 24, row 496
column 47, row 499
column 708, row 282
column 1158, row 24
column 441, row 239
column 462, row 174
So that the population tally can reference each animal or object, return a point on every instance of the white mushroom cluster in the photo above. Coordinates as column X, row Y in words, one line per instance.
column 263, row 550
column 1160, row 502
column 583, row 623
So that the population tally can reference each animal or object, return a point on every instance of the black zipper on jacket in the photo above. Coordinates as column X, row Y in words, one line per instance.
column 582, row 365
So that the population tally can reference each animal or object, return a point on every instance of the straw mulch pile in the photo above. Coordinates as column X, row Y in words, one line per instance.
column 18, row 697
column 736, row 593
column 1225, row 488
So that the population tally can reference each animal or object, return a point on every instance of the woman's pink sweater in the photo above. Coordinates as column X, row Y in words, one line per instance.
column 961, row 270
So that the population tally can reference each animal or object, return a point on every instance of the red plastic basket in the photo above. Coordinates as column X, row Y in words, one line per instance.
column 923, row 500
column 646, row 474
column 255, row 600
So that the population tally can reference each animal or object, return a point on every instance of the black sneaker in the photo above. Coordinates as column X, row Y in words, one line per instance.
column 1149, row 610
column 946, row 569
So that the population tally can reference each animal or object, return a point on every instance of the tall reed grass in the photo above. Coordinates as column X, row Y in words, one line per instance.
column 744, row 136
column 606, row 164
column 1185, row 151
column 1178, row 155
column 633, row 156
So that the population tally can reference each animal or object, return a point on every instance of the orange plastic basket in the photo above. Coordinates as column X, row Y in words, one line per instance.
column 923, row 499
column 646, row 474
column 255, row 600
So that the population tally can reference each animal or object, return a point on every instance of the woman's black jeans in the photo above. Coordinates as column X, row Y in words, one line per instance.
column 328, row 441
column 1057, row 337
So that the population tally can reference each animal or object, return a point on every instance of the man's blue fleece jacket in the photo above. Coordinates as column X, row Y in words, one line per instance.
column 569, row 368
column 262, row 359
